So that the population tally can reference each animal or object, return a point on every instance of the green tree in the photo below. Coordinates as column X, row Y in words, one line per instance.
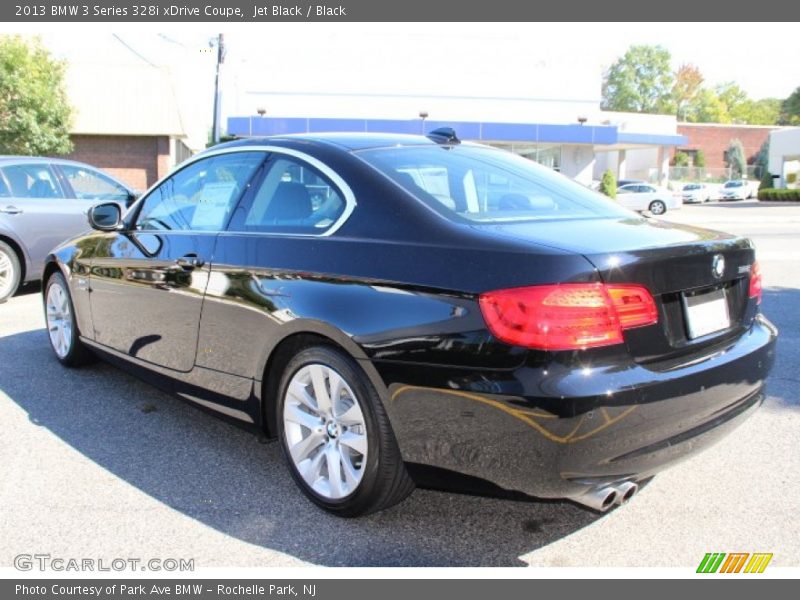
column 688, row 83
column 761, row 160
column 790, row 109
column 608, row 184
column 757, row 112
column 734, row 159
column 706, row 107
column 34, row 112
column 640, row 81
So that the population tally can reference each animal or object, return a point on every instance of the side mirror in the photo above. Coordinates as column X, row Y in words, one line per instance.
column 105, row 217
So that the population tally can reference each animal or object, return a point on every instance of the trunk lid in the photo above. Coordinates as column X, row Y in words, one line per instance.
column 678, row 264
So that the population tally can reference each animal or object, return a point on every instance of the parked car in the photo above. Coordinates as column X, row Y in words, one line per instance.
column 643, row 196
column 444, row 303
column 695, row 192
column 622, row 182
column 736, row 189
column 44, row 201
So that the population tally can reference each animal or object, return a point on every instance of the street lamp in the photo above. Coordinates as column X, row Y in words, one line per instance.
column 423, row 114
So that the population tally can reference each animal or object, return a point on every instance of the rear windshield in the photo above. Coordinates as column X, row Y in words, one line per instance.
column 731, row 184
column 487, row 185
column 691, row 186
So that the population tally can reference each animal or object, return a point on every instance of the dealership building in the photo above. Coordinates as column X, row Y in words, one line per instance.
column 507, row 89
column 579, row 141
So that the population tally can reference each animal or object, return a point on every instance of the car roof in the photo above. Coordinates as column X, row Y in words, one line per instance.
column 350, row 141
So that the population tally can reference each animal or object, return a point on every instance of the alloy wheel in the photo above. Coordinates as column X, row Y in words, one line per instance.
column 7, row 275
column 325, row 431
column 59, row 319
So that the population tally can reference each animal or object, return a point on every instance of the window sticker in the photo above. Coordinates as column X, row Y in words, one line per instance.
column 212, row 206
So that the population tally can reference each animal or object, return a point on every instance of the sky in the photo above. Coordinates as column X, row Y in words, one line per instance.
column 517, row 60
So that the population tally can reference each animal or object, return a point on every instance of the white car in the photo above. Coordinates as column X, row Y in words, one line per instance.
column 736, row 189
column 695, row 192
column 643, row 196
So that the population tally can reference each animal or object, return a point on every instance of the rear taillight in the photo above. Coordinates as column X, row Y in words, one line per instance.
column 568, row 316
column 755, row 282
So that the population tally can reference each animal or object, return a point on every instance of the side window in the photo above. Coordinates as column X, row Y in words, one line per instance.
column 293, row 197
column 32, row 181
column 201, row 196
column 91, row 185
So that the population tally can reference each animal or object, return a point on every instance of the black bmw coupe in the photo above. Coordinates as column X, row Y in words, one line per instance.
column 375, row 301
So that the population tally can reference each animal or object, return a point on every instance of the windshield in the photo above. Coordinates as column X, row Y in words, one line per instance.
column 487, row 185
column 691, row 186
column 731, row 184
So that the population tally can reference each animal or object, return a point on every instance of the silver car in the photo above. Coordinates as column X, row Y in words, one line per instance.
column 44, row 201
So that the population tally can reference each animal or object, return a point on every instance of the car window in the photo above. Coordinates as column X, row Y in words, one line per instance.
column 4, row 191
column 91, row 185
column 483, row 184
column 624, row 190
column 646, row 188
column 200, row 196
column 34, row 180
column 293, row 197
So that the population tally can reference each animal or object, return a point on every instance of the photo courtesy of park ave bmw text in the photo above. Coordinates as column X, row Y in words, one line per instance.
column 289, row 290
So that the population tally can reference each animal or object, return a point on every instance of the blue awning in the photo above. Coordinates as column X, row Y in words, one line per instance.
column 531, row 133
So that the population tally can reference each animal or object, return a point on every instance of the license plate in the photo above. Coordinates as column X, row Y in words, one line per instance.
column 706, row 313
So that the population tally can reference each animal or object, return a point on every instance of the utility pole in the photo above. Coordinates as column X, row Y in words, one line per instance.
column 215, row 127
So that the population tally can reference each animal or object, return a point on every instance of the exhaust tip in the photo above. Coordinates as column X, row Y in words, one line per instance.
column 599, row 499
column 626, row 491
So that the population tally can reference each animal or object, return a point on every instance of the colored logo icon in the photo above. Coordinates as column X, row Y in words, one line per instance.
column 734, row 562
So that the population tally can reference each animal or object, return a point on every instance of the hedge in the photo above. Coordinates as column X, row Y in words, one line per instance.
column 776, row 194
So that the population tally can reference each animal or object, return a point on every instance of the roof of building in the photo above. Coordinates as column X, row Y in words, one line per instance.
column 123, row 100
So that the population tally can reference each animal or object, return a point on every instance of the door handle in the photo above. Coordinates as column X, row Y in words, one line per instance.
column 10, row 210
column 189, row 262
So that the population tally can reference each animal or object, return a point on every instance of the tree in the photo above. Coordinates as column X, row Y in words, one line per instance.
column 640, row 81
column 688, row 82
column 734, row 159
column 707, row 108
column 761, row 160
column 608, row 184
column 757, row 112
column 34, row 112
column 790, row 109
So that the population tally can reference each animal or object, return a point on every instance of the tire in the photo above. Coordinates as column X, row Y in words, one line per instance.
column 371, row 474
column 62, row 329
column 10, row 272
column 657, row 207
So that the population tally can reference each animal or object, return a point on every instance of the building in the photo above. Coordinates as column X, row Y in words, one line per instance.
column 784, row 157
column 130, row 125
column 571, row 148
column 715, row 138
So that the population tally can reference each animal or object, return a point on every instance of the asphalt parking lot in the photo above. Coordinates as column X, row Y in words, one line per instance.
column 97, row 464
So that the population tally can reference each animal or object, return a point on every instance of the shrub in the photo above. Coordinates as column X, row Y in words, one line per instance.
column 766, row 181
column 779, row 195
column 681, row 159
column 608, row 184
column 700, row 159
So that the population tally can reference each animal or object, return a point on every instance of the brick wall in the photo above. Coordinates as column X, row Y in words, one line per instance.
column 138, row 161
column 713, row 140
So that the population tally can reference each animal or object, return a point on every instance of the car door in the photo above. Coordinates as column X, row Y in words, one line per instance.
column 627, row 196
column 37, row 211
column 148, row 281
column 291, row 208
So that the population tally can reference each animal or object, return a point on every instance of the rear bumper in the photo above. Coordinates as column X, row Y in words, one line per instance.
column 555, row 432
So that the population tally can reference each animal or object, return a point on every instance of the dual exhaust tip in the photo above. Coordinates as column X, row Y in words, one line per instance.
column 603, row 498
